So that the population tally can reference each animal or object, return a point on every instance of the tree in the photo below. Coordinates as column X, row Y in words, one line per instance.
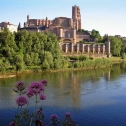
column 95, row 34
column 45, row 65
column 35, row 59
column 116, row 45
column 19, row 63
column 48, row 56
column 81, row 30
column 27, row 48
column 123, row 47
column 27, row 59
column 4, row 64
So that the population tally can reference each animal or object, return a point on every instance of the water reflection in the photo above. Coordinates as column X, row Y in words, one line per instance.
column 69, row 83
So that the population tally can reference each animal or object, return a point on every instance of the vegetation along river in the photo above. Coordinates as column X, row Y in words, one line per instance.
column 93, row 97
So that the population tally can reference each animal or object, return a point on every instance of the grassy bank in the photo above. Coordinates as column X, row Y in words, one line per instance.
column 95, row 63
column 116, row 59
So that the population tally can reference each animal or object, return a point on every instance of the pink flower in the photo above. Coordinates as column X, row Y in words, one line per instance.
column 44, row 82
column 12, row 123
column 38, row 111
column 53, row 117
column 67, row 114
column 20, row 85
column 36, row 87
column 42, row 123
column 42, row 97
column 30, row 93
column 21, row 100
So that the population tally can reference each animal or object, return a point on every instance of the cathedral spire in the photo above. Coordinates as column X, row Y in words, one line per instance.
column 46, row 22
column 27, row 18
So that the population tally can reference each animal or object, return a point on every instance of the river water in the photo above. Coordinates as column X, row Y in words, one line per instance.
column 93, row 97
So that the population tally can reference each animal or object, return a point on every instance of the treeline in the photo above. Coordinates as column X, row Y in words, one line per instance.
column 94, row 34
column 23, row 49
column 118, row 44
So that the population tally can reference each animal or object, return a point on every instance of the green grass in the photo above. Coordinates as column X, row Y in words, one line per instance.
column 111, row 59
column 115, row 59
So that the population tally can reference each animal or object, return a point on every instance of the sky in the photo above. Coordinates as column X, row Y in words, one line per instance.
column 105, row 16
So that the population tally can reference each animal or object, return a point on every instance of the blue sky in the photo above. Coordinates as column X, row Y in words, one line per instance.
column 106, row 16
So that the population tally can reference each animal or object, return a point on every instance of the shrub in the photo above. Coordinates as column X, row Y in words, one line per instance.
column 82, row 58
column 73, row 57
column 91, row 58
column 123, row 56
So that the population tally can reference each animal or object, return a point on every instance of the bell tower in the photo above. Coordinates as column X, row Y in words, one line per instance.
column 27, row 18
column 76, row 16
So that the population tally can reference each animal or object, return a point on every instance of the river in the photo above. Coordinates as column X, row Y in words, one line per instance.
column 93, row 97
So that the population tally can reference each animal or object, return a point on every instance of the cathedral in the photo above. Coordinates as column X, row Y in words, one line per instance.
column 65, row 28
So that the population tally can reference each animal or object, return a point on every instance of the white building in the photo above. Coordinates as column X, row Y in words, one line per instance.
column 11, row 27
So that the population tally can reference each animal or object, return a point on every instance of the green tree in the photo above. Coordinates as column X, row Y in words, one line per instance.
column 27, row 59
column 123, row 47
column 48, row 56
column 116, row 45
column 28, row 48
column 19, row 63
column 45, row 65
column 95, row 34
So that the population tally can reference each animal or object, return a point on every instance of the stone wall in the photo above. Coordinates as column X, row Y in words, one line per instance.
column 88, row 49
column 81, row 37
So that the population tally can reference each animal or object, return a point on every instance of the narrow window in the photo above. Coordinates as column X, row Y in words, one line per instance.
column 63, row 34
column 68, row 35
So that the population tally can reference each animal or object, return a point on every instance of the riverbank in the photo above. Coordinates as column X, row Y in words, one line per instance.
column 10, row 74
column 116, row 59
column 7, row 76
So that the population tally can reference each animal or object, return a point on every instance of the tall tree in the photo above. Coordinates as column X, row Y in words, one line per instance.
column 96, row 34
column 116, row 45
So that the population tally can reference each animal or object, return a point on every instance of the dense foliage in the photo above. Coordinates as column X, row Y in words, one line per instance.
column 24, row 48
column 116, row 44
column 96, row 34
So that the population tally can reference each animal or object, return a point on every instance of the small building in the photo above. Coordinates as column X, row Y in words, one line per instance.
column 8, row 25
column 118, row 36
column 124, row 38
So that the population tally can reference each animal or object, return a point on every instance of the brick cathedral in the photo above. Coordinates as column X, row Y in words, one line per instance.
column 65, row 28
